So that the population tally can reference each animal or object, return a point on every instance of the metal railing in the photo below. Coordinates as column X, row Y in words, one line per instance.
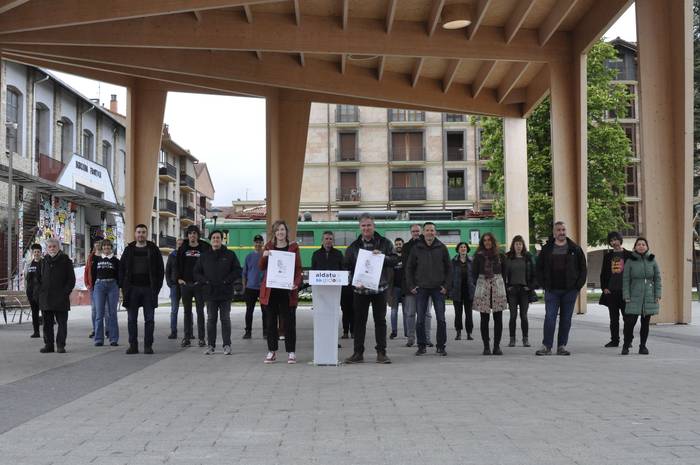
column 167, row 241
column 352, row 155
column 455, row 193
column 344, row 194
column 167, row 205
column 166, row 169
column 187, row 213
column 406, row 115
column 347, row 114
column 408, row 193
column 186, row 180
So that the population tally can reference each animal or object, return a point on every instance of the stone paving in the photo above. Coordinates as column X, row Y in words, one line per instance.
column 97, row 405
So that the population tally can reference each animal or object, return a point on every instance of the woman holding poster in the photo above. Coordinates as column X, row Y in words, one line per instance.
column 279, row 290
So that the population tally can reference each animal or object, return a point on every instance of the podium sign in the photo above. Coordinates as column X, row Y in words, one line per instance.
column 326, row 289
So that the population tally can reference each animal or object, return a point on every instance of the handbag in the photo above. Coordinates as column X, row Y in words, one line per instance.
column 532, row 296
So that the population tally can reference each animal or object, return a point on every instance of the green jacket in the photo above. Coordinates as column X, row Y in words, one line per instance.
column 641, row 285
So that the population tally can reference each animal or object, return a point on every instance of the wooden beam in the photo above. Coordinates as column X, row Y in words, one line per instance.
column 390, row 13
column 197, row 16
column 7, row 5
column 482, row 76
column 297, row 12
column 481, row 8
column 416, row 71
column 283, row 71
column 302, row 60
column 380, row 67
column 248, row 10
column 522, row 9
column 434, row 18
column 452, row 68
column 537, row 91
column 599, row 18
column 554, row 19
column 258, row 54
column 343, row 63
column 346, row 13
column 34, row 15
column 275, row 33
column 510, row 80
column 518, row 95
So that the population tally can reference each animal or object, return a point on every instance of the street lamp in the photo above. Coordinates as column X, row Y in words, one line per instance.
column 10, row 211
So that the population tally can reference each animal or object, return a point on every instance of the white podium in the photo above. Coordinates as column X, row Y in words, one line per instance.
column 326, row 287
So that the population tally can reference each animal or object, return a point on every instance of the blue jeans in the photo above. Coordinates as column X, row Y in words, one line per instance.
column 106, row 298
column 398, row 299
column 558, row 302
column 92, row 306
column 174, row 307
column 422, row 305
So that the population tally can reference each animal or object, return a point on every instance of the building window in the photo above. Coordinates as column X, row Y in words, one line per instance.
column 407, row 146
column 406, row 115
column 66, row 139
column 455, row 185
column 454, row 118
column 12, row 117
column 163, row 157
column 346, row 114
column 485, row 192
column 348, row 190
column 42, row 121
column 88, row 145
column 449, row 236
column 631, row 181
column 618, row 65
column 107, row 156
column 454, row 142
column 631, row 216
column 631, row 109
column 347, row 146
column 408, row 185
column 479, row 138
column 631, row 133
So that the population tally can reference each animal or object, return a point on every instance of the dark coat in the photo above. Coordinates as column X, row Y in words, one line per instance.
column 456, row 290
column 530, row 273
column 170, row 275
column 576, row 270
column 56, row 282
column 479, row 265
column 606, row 272
column 382, row 244
column 219, row 271
column 31, row 280
column 298, row 279
column 156, row 270
column 641, row 285
column 332, row 261
column 429, row 266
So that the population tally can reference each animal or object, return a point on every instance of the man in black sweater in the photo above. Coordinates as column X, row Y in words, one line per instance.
column 141, row 274
column 327, row 257
column 186, row 258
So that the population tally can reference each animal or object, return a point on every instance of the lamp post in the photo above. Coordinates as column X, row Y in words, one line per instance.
column 10, row 211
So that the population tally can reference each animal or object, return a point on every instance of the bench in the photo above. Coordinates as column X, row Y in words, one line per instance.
column 15, row 302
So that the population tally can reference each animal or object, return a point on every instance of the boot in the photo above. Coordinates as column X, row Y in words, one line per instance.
column 497, row 350
column 458, row 337
column 525, row 342
column 469, row 337
column 512, row 342
column 625, row 349
column 47, row 349
column 247, row 334
column 487, row 348
column 133, row 349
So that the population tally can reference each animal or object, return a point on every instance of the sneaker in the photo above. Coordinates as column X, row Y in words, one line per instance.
column 512, row 342
column 227, row 350
column 441, row 352
column 430, row 344
column 247, row 335
column 47, row 349
column 420, row 351
column 612, row 344
column 469, row 337
column 34, row 335
column 148, row 350
column 185, row 342
column 210, row 351
column 409, row 343
column 202, row 343
column 497, row 351
column 392, row 335
column 99, row 344
column 625, row 350
column 271, row 357
column 345, row 335
column 172, row 336
column 487, row 351
column 292, row 358
column 643, row 350
column 133, row 349
column 114, row 343
column 544, row 351
column 562, row 351
column 458, row 337
column 355, row 358
column 61, row 349
column 525, row 342
column 382, row 358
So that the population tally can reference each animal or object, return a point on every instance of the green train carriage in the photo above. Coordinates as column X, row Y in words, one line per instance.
column 238, row 235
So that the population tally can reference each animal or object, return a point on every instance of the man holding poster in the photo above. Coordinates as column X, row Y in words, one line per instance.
column 369, row 259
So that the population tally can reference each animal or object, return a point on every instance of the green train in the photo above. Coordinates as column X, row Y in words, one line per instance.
column 238, row 235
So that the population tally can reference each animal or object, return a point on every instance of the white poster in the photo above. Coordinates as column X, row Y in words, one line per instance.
column 368, row 269
column 280, row 269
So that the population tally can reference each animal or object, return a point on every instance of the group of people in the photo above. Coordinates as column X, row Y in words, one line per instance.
column 417, row 274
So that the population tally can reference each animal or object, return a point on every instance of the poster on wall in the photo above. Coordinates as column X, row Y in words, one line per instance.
column 119, row 233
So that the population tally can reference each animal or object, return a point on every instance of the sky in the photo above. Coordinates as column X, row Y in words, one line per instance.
column 228, row 133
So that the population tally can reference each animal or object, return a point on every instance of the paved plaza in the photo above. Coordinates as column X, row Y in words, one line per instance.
column 99, row 406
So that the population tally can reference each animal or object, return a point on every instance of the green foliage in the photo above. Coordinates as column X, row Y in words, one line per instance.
column 608, row 155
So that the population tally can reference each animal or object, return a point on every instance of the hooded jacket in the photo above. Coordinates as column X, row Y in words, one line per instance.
column 380, row 243
column 641, row 284
column 429, row 266
column 576, row 270
column 156, row 270
column 56, row 282
column 219, row 271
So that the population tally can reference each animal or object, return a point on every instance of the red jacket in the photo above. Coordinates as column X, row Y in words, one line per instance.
column 87, row 274
column 262, row 264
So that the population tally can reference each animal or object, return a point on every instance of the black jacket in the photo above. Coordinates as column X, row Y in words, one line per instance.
column 56, row 282
column 479, row 265
column 219, row 271
column 576, row 270
column 456, row 290
column 156, row 270
column 382, row 244
column 429, row 266
column 31, row 282
column 530, row 274
column 405, row 254
column 181, row 258
column 170, row 276
column 331, row 260
column 606, row 271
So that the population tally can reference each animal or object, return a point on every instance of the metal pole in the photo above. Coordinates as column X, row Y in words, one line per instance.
column 10, row 218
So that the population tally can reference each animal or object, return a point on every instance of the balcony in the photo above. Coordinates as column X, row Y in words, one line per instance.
column 167, row 172
column 347, row 114
column 203, row 211
column 167, row 207
column 345, row 194
column 412, row 116
column 455, row 193
column 186, row 182
column 167, row 242
column 398, row 154
column 352, row 155
column 407, row 193
column 49, row 168
column 186, row 216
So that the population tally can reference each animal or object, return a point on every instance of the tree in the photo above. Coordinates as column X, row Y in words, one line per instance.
column 609, row 154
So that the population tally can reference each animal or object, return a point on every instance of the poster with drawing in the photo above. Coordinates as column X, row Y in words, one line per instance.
column 368, row 269
column 280, row 269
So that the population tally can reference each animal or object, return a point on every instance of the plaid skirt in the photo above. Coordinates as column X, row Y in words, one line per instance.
column 490, row 294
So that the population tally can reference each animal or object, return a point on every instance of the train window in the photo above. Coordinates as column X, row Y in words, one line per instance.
column 474, row 236
column 449, row 236
column 305, row 237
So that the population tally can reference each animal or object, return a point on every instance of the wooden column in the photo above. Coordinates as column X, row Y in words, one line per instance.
column 569, row 135
column 664, row 31
column 515, row 174
column 145, row 107
column 287, row 120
